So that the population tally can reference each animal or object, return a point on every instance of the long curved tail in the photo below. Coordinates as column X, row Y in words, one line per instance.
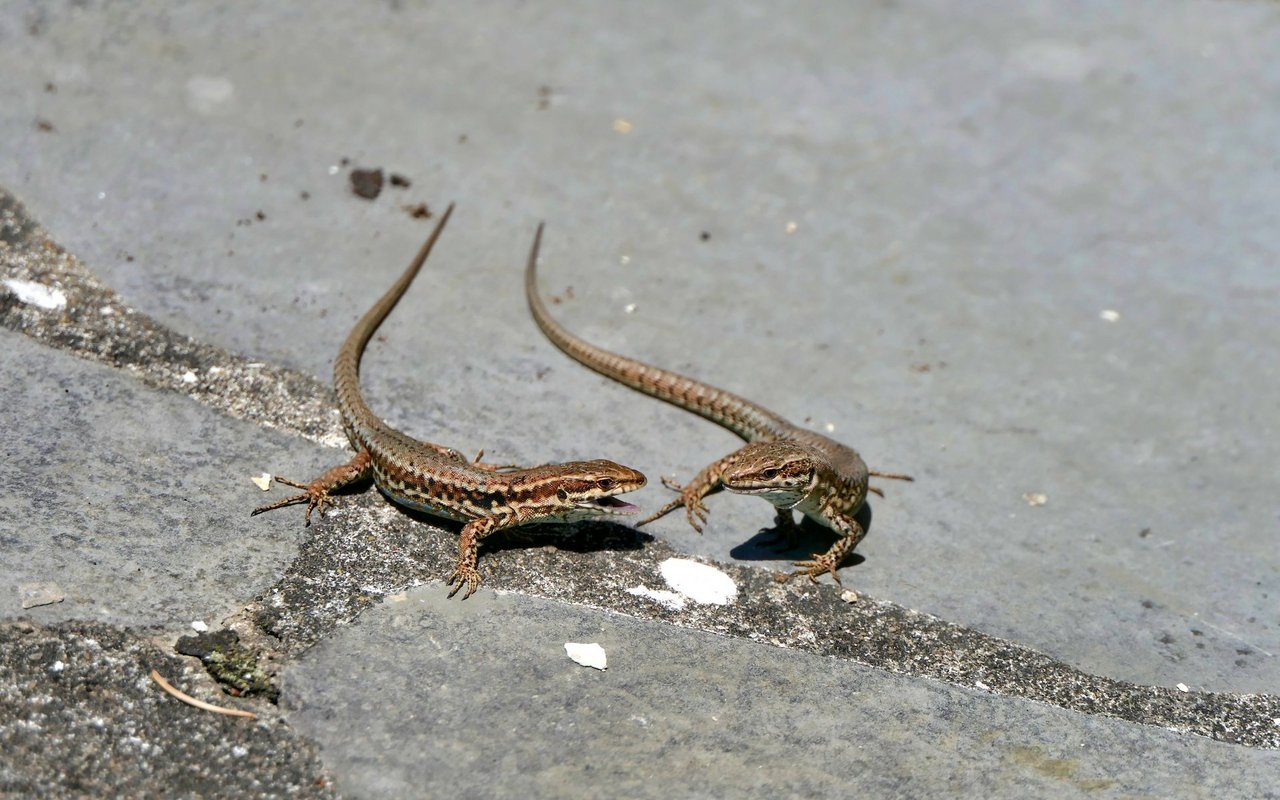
column 738, row 414
column 346, row 367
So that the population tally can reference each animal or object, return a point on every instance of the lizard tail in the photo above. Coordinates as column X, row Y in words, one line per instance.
column 748, row 420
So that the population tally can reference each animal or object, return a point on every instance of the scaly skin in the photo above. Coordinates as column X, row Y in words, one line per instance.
column 438, row 479
column 792, row 467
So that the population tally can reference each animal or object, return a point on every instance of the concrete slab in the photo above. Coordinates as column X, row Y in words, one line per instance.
column 125, row 502
column 424, row 696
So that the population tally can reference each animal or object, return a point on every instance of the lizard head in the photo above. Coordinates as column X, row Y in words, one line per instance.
column 589, row 489
column 782, row 472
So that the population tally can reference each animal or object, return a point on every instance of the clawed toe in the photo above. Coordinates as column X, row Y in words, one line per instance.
column 813, row 569
column 672, row 484
column 464, row 576
column 315, row 497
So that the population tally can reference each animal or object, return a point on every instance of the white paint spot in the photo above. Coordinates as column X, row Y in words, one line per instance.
column 668, row 600
column 239, row 751
column 333, row 169
column 57, row 667
column 199, row 626
column 107, row 311
column 1053, row 60
column 1110, row 315
column 1035, row 498
column 831, row 427
column 792, row 227
column 262, row 481
column 206, row 94
column 102, row 195
column 699, row 582
column 624, row 260
column 588, row 655
column 1182, row 687
column 188, row 377
column 630, row 308
column 37, row 294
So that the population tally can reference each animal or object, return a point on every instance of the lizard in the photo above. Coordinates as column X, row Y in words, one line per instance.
column 792, row 467
column 439, row 480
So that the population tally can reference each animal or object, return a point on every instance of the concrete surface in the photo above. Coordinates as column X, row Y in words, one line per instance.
column 914, row 221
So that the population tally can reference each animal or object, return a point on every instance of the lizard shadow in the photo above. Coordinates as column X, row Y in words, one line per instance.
column 776, row 544
column 576, row 537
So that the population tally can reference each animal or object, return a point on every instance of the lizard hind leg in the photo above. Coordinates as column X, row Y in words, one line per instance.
column 851, row 532
column 317, row 494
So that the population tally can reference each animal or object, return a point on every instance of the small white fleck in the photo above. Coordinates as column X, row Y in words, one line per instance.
column 107, row 311
column 1035, row 498
column 831, row 427
column 37, row 294
column 199, row 626
column 1276, row 722
column 1182, row 687
column 188, row 377
column 792, row 227
column 1054, row 60
column 630, row 308
column 57, row 667
column 206, row 94
column 239, row 751
column 624, row 259
column 622, row 126
column 254, row 365
column 216, row 370
column 699, row 582
column 668, row 600
column 1110, row 315
column 262, row 481
column 102, row 195
column 982, row 686
column 588, row 655
column 369, row 588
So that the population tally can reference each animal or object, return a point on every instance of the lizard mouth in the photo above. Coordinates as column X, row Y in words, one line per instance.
column 610, row 505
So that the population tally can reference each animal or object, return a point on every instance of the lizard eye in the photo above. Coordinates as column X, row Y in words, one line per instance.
column 606, row 484
column 562, row 494
column 769, row 473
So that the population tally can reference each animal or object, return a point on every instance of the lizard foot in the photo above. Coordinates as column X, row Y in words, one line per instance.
column 819, row 565
column 315, row 495
column 464, row 575
column 695, row 509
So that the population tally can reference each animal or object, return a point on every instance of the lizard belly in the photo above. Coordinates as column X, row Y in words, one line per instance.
column 420, row 502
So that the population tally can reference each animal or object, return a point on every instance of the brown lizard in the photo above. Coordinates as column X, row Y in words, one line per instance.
column 791, row 467
column 439, row 480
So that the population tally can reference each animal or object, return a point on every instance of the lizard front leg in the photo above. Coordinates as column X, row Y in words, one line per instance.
column 466, row 574
column 317, row 493
column 691, row 494
column 850, row 532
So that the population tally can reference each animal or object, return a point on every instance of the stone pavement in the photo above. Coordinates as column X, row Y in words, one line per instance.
column 1026, row 253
